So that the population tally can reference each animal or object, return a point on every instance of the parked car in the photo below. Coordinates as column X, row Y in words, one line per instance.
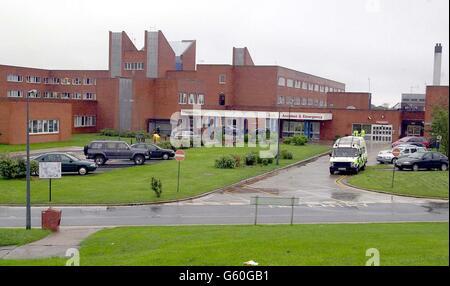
column 102, row 151
column 427, row 160
column 412, row 140
column 69, row 162
column 155, row 152
column 386, row 156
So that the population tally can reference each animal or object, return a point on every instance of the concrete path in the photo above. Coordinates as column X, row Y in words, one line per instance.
column 54, row 245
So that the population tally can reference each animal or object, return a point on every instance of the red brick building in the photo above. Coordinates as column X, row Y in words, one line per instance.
column 142, row 88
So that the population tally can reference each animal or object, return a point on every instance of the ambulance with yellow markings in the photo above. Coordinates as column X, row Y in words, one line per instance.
column 349, row 154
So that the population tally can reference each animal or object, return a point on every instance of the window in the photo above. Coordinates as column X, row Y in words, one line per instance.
column 297, row 101
column 297, row 84
column 304, row 85
column 134, row 66
column 321, row 103
column 43, row 126
column 326, row 89
column 76, row 81
column 34, row 95
column 310, row 101
column 281, row 81
column 49, row 94
column 310, row 86
column 321, row 88
column 53, row 80
column 304, row 101
column 89, row 96
column 14, row 93
column 76, row 95
column 182, row 98
column 289, row 100
column 316, row 87
column 221, row 99
column 65, row 95
column 280, row 99
column 65, row 81
column 191, row 98
column 84, row 121
column 33, row 79
column 201, row 99
column 14, row 78
column 89, row 81
column 290, row 83
column 222, row 79
column 316, row 102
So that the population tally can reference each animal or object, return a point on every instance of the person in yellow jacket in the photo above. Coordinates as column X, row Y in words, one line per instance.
column 156, row 138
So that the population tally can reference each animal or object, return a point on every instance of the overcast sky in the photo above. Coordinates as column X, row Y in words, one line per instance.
column 389, row 41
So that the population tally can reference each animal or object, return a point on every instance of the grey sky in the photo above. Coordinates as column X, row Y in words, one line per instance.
column 389, row 41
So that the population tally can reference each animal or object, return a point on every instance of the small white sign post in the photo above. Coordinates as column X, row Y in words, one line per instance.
column 49, row 170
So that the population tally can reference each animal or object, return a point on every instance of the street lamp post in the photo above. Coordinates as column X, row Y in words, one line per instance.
column 28, row 194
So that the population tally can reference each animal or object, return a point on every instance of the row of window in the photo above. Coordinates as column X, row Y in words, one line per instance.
column 51, row 80
column 296, row 100
column 50, row 94
column 192, row 98
column 84, row 121
column 306, row 85
column 43, row 126
column 134, row 66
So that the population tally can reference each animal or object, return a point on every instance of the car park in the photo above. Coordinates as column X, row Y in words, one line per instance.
column 154, row 151
column 386, row 156
column 69, row 163
column 412, row 140
column 426, row 160
column 102, row 151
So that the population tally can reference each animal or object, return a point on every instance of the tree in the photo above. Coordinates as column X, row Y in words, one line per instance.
column 439, row 127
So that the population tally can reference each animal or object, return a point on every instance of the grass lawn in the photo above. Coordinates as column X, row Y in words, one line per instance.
column 76, row 140
column 329, row 244
column 421, row 183
column 132, row 185
column 16, row 236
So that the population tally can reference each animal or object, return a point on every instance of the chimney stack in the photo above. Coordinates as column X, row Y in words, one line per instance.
column 437, row 64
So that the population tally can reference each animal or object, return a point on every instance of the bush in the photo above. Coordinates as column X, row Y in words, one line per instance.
column 156, row 186
column 109, row 132
column 285, row 154
column 16, row 168
column 237, row 160
column 166, row 145
column 287, row 140
column 299, row 140
column 251, row 159
column 225, row 162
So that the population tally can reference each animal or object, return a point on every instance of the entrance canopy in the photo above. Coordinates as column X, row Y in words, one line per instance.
column 257, row 114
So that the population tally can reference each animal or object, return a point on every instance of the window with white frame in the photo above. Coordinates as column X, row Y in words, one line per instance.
column 54, row 80
column 14, row 93
column 201, row 99
column 14, row 78
column 316, row 102
column 304, row 85
column 89, row 96
column 310, row 86
column 182, row 98
column 84, row 121
column 298, row 84
column 134, row 66
column 76, row 95
column 34, row 94
column 326, row 89
column 310, row 101
column 316, row 87
column 66, row 81
column 304, row 101
column 281, row 81
column 65, row 95
column 44, row 126
column 321, row 103
column 77, row 81
column 321, row 88
column 49, row 94
column 290, row 82
column 297, row 101
column 89, row 81
column 280, row 100
column 33, row 79
column 191, row 98
column 222, row 79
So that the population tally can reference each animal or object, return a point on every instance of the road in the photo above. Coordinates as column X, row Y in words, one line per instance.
column 322, row 200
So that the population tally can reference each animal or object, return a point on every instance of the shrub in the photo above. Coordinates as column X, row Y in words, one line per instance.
column 237, row 160
column 285, row 154
column 16, row 168
column 109, row 132
column 156, row 186
column 251, row 159
column 166, row 145
column 264, row 161
column 299, row 140
column 287, row 140
column 225, row 162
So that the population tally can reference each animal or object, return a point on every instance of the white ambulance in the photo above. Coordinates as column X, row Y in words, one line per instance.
column 349, row 155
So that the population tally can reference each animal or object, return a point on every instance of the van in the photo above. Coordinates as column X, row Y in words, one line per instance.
column 349, row 155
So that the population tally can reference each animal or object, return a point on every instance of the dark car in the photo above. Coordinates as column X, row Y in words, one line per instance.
column 427, row 160
column 69, row 163
column 412, row 140
column 102, row 151
column 155, row 152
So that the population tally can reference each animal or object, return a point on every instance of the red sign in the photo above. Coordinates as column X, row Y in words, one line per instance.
column 179, row 155
column 396, row 152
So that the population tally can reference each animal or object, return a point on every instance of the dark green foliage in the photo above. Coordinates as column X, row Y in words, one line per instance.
column 156, row 186
column 225, row 162
column 285, row 154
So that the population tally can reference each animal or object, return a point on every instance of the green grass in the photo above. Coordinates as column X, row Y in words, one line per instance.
column 132, row 185
column 76, row 140
column 330, row 244
column 16, row 236
column 421, row 183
